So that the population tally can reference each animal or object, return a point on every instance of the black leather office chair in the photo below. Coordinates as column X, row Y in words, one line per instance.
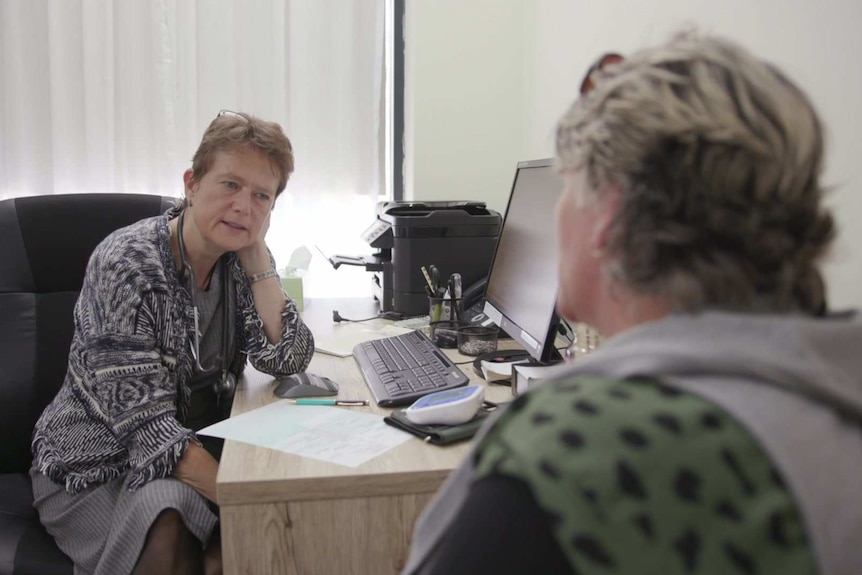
column 45, row 243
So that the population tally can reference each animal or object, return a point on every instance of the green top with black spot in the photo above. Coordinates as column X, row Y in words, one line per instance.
column 643, row 478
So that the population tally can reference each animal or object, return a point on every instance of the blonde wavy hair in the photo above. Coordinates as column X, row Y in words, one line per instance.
column 718, row 156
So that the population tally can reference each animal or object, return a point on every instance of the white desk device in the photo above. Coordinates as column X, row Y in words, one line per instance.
column 448, row 407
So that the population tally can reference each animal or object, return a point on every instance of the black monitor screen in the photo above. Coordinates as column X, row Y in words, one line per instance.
column 522, row 286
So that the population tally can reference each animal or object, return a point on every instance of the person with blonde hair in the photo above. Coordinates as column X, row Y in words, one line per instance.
column 170, row 309
column 718, row 429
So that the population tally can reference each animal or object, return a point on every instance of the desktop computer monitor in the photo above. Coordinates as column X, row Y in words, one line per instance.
column 522, row 286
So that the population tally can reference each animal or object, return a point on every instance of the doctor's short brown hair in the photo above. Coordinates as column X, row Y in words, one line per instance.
column 230, row 130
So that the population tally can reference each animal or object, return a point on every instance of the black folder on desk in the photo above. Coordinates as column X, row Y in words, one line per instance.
column 441, row 434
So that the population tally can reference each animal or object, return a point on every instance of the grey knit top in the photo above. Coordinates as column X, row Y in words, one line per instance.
column 126, row 390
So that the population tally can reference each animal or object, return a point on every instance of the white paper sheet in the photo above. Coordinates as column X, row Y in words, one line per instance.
column 339, row 435
column 527, row 376
column 493, row 371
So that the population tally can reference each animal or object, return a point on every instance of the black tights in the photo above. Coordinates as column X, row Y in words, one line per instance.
column 171, row 549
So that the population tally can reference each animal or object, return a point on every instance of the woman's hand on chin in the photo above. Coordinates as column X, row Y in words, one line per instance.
column 254, row 258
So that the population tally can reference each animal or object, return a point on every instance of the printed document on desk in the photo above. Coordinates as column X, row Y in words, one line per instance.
column 526, row 376
column 342, row 338
column 344, row 436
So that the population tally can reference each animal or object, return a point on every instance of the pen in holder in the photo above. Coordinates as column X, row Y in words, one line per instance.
column 445, row 309
column 444, row 315
column 444, row 333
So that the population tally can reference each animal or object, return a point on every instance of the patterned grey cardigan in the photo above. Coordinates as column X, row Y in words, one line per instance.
column 126, row 389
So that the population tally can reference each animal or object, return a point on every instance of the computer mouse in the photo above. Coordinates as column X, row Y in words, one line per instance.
column 305, row 385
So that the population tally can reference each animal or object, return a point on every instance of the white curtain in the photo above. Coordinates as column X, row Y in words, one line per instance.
column 114, row 95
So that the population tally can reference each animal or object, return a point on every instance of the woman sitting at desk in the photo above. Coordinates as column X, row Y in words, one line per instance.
column 718, row 428
column 169, row 310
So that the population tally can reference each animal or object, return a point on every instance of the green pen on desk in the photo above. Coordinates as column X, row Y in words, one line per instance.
column 346, row 402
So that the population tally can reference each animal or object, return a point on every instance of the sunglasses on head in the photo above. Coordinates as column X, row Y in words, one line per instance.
column 231, row 114
column 600, row 64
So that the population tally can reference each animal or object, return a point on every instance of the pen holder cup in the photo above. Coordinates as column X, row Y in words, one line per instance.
column 476, row 339
column 444, row 334
column 445, row 309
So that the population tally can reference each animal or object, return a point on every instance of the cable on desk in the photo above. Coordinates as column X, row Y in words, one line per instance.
column 391, row 315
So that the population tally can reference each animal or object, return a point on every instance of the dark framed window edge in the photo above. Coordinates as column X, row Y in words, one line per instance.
column 397, row 97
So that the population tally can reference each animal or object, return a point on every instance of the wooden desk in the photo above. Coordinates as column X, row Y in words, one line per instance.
column 285, row 514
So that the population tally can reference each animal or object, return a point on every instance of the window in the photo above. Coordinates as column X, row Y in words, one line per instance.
column 114, row 96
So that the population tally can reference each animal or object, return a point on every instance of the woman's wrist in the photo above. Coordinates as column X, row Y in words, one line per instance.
column 260, row 276
column 255, row 260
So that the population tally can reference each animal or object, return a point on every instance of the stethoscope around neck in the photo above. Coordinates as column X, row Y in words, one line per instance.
column 225, row 385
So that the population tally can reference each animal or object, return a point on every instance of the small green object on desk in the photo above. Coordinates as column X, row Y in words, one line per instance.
column 293, row 287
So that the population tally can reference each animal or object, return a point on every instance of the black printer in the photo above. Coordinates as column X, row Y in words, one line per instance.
column 456, row 236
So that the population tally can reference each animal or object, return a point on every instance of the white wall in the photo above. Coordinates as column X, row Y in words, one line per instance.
column 465, row 69
column 482, row 79
column 816, row 43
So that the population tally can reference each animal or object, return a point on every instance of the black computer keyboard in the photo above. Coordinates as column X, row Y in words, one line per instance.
column 400, row 369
